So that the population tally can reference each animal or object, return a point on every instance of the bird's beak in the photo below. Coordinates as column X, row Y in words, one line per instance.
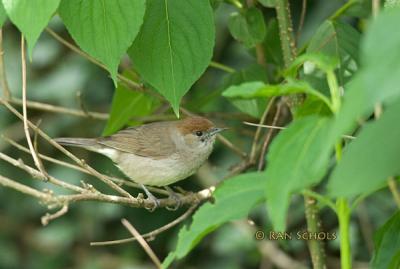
column 214, row 131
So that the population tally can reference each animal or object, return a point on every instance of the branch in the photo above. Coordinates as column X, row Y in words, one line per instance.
column 81, row 163
column 57, row 109
column 49, row 217
column 151, row 235
column 34, row 154
column 142, row 242
column 38, row 175
column 3, row 77
column 119, row 181
column 268, row 137
column 6, row 182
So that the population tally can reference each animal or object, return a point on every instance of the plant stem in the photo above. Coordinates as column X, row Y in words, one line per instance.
column 288, row 46
column 344, row 226
column 285, row 31
column 316, row 247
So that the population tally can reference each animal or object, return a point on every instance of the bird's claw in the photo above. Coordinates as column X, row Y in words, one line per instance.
column 174, row 196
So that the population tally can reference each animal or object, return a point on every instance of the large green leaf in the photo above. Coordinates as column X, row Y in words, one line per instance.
column 126, row 104
column 31, row 17
column 174, row 46
column 255, row 89
column 387, row 245
column 378, row 81
column 104, row 29
column 293, row 164
column 371, row 158
column 234, row 198
column 253, row 107
column 338, row 40
column 3, row 14
column 248, row 26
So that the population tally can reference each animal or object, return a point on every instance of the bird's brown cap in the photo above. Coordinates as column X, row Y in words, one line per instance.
column 193, row 124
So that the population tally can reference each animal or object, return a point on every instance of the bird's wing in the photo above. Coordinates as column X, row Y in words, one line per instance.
column 149, row 140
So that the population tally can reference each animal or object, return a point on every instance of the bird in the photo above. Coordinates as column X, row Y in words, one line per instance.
column 157, row 153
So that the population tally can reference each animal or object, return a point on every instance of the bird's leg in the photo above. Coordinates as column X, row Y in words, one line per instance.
column 151, row 197
column 173, row 195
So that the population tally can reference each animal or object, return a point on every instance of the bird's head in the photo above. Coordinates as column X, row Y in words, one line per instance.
column 198, row 132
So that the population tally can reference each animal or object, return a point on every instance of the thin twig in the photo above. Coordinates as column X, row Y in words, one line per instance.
column 80, row 169
column 151, row 235
column 302, row 17
column 393, row 189
column 231, row 146
column 366, row 228
column 143, row 243
column 35, row 157
column 36, row 174
column 59, row 109
column 6, row 182
column 259, row 129
column 81, row 163
column 49, row 217
column 132, row 84
column 283, row 128
column 3, row 77
column 261, row 160
column 260, row 54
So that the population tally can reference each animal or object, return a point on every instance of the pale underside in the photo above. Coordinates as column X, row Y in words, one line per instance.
column 157, row 172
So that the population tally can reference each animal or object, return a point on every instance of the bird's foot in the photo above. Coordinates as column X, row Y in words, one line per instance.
column 176, row 197
column 152, row 198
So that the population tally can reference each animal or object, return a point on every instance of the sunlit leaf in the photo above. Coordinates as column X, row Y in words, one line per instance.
column 371, row 158
column 233, row 200
column 103, row 29
column 387, row 245
column 174, row 46
column 293, row 164
column 125, row 105
column 31, row 17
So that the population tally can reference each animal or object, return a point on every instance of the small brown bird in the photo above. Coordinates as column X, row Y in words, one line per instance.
column 156, row 154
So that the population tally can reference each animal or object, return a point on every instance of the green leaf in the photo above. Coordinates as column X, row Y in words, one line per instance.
column 3, row 14
column 370, row 159
column 126, row 104
column 387, row 245
column 248, row 26
column 267, row 3
column 234, row 198
column 174, row 46
column 272, row 43
column 254, row 107
column 104, row 29
column 338, row 40
column 258, row 89
column 312, row 106
column 379, row 71
column 31, row 17
column 295, row 148
column 312, row 60
column 309, row 158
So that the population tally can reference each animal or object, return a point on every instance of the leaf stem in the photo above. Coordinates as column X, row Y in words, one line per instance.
column 334, row 90
column 343, row 9
column 320, row 198
column 222, row 67
column 344, row 226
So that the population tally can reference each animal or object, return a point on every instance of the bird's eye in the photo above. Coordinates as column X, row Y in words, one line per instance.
column 199, row 133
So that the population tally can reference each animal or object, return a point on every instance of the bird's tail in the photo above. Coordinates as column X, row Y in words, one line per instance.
column 87, row 143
